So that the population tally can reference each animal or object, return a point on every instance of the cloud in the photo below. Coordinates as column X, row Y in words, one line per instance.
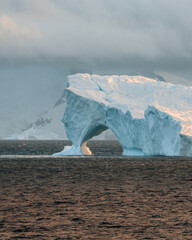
column 10, row 28
column 16, row 39
column 118, row 33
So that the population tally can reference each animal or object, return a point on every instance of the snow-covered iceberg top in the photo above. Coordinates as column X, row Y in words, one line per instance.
column 135, row 94
column 147, row 116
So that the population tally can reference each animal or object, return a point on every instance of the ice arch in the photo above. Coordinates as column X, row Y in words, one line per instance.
column 155, row 134
column 125, row 105
column 88, row 121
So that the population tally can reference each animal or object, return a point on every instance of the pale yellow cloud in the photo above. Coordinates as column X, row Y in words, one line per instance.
column 9, row 28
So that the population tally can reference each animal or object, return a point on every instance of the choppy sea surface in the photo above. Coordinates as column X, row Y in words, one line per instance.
column 104, row 196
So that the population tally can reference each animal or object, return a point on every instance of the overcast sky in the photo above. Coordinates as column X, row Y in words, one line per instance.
column 149, row 34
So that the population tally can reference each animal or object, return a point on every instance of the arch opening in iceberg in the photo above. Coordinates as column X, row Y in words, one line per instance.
column 106, row 145
column 92, row 131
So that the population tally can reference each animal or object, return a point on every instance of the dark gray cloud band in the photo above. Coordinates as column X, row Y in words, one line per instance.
column 98, row 33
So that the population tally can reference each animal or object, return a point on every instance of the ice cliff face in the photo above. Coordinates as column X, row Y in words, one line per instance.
column 145, row 115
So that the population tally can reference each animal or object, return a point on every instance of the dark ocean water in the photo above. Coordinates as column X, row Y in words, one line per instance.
column 105, row 196
column 44, row 147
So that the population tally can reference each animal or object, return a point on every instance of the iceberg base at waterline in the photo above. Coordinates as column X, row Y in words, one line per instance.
column 132, row 108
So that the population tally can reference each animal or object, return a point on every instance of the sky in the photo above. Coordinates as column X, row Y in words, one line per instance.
column 42, row 41
column 97, row 34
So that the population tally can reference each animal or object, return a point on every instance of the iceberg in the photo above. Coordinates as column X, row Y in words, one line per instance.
column 148, row 117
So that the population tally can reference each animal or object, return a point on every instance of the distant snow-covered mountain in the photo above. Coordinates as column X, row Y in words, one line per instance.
column 174, row 79
column 26, row 94
column 47, row 126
